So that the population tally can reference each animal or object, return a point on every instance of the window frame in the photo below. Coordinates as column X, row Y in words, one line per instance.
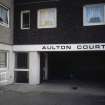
column 16, row 60
column 49, row 26
column 8, row 16
column 21, row 19
column 85, row 23
column 5, row 68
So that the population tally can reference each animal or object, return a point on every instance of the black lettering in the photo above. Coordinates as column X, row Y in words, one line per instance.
column 62, row 47
column 53, row 47
column 97, row 46
column 79, row 47
column 49, row 47
column 44, row 48
column 91, row 46
column 103, row 46
column 68, row 47
column 85, row 47
column 58, row 47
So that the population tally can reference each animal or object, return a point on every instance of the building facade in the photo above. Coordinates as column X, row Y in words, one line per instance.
column 58, row 40
column 6, row 41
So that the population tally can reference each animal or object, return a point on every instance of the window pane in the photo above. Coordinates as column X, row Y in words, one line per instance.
column 21, row 76
column 3, row 59
column 3, row 15
column 21, row 60
column 26, row 20
column 95, row 14
column 47, row 18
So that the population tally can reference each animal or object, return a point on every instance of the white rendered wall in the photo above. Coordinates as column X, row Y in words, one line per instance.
column 10, row 64
column 34, row 68
column 11, row 67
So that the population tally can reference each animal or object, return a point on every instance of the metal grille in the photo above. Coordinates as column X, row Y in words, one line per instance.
column 2, row 76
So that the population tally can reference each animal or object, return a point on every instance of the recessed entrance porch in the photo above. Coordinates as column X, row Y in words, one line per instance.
column 73, row 66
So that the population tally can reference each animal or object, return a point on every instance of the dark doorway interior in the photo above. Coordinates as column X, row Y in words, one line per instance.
column 42, row 65
column 21, row 76
column 59, row 66
column 84, row 66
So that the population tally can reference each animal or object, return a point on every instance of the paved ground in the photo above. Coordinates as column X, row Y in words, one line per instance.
column 52, row 94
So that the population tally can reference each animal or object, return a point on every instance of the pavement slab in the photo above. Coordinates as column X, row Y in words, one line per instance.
column 51, row 94
column 45, row 98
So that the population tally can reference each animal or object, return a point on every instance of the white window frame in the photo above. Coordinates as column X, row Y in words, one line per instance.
column 3, row 23
column 49, row 26
column 21, row 19
column 85, row 23
column 5, row 68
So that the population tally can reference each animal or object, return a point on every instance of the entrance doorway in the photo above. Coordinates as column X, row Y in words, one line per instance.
column 59, row 66
column 76, row 66
column 21, row 67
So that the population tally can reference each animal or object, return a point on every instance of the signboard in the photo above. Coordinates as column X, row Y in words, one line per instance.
column 61, row 47
column 73, row 47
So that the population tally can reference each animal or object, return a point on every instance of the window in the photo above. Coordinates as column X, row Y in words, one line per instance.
column 4, row 16
column 47, row 18
column 22, row 76
column 3, row 76
column 3, row 59
column 94, row 15
column 25, row 19
column 21, row 60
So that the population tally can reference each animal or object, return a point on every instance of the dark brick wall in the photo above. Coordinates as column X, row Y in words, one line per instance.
column 69, row 29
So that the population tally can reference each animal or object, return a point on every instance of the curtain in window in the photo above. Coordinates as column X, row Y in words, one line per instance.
column 3, row 15
column 95, row 14
column 52, row 16
column 0, row 14
column 47, row 17
column 43, row 17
